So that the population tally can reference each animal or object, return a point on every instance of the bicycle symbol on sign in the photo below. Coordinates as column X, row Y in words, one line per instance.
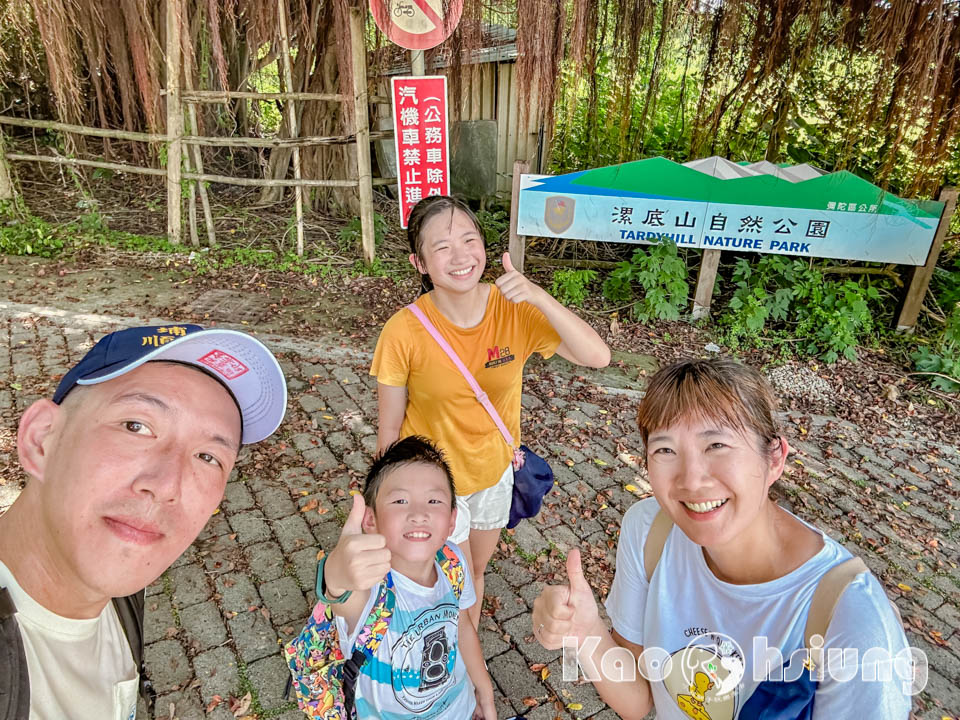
column 403, row 8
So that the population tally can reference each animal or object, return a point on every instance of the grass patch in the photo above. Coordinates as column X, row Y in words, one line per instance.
column 25, row 234
column 519, row 551
column 168, row 591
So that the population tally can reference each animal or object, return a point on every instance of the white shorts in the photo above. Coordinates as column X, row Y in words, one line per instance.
column 484, row 510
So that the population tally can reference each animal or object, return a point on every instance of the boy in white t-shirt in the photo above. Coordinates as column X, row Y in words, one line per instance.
column 429, row 663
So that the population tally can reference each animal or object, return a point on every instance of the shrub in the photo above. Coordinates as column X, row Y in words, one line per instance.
column 660, row 273
column 570, row 286
column 944, row 357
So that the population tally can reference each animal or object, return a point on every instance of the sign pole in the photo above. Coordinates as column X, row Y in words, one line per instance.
column 417, row 63
column 918, row 278
column 517, row 246
column 705, row 282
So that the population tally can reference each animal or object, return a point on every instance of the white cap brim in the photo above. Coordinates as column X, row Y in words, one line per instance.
column 240, row 361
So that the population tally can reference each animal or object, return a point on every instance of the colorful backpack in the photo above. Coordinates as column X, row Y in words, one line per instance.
column 324, row 680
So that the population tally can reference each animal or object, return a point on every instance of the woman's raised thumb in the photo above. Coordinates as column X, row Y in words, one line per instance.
column 575, row 572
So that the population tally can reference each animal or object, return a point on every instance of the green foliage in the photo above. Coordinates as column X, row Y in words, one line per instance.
column 29, row 235
column 661, row 275
column 374, row 269
column 944, row 356
column 267, row 80
column 829, row 317
column 350, row 237
column 570, row 286
column 495, row 223
column 825, row 114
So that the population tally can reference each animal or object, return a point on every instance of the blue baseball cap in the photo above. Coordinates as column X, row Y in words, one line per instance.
column 241, row 362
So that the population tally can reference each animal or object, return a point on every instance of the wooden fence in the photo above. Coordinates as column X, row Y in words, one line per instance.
column 180, row 165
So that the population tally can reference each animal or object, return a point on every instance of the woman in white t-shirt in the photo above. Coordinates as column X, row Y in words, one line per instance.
column 717, row 632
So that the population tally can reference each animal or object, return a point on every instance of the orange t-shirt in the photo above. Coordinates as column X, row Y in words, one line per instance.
column 440, row 404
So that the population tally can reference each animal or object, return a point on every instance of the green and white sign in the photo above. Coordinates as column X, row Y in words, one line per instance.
column 716, row 204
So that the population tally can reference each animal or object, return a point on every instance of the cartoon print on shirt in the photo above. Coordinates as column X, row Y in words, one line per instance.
column 424, row 658
column 704, row 677
column 692, row 704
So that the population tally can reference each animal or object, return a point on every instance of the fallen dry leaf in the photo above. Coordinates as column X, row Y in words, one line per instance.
column 239, row 707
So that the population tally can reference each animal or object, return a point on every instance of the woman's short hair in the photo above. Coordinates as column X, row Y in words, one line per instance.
column 724, row 391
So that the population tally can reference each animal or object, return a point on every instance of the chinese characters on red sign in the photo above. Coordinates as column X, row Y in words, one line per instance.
column 420, row 128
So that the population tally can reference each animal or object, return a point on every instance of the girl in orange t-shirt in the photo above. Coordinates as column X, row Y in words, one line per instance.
column 494, row 329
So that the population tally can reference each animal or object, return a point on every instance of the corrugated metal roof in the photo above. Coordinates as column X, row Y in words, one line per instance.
column 500, row 45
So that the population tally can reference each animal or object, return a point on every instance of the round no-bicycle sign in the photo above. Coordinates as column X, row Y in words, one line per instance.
column 416, row 24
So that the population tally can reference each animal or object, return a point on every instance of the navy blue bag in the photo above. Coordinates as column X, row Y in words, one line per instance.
column 781, row 700
column 531, row 482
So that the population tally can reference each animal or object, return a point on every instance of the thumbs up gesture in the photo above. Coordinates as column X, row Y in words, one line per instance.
column 566, row 610
column 360, row 560
column 514, row 286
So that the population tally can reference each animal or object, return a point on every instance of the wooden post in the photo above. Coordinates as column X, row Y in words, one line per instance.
column 291, row 120
column 194, row 152
column 6, row 183
column 918, row 277
column 705, row 281
column 192, row 208
column 517, row 242
column 174, row 122
column 361, row 110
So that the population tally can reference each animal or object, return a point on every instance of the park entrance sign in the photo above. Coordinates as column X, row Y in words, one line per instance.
column 715, row 204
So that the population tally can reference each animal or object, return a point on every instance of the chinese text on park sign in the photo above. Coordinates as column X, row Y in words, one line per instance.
column 420, row 128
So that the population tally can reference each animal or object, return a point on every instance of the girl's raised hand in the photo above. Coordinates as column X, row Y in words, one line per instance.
column 514, row 286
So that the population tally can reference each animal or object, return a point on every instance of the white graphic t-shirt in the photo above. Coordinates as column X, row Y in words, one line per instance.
column 708, row 644
column 78, row 668
column 417, row 669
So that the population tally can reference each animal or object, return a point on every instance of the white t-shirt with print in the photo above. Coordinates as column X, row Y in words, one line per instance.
column 78, row 668
column 417, row 670
column 707, row 633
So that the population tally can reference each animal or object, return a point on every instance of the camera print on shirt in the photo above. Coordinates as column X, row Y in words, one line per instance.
column 424, row 658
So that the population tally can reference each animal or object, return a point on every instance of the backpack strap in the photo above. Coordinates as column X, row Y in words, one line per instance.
column 14, row 677
column 452, row 568
column 825, row 599
column 656, row 539
column 468, row 376
column 368, row 640
column 130, row 612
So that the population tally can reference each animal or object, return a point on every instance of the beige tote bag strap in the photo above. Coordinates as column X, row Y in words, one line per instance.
column 656, row 539
column 825, row 599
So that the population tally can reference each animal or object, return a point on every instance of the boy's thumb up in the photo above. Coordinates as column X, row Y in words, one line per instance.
column 354, row 523
column 578, row 583
column 507, row 263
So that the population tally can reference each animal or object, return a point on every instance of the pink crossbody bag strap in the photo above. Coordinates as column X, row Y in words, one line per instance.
column 474, row 385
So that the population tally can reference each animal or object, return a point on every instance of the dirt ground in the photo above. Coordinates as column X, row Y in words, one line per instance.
column 99, row 279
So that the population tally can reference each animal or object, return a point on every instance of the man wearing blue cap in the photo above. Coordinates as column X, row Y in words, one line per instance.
column 126, row 464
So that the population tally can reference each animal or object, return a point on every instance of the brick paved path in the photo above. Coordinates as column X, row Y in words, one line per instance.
column 216, row 620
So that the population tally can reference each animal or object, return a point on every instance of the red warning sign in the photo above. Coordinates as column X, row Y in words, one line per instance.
column 416, row 24
column 420, row 129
